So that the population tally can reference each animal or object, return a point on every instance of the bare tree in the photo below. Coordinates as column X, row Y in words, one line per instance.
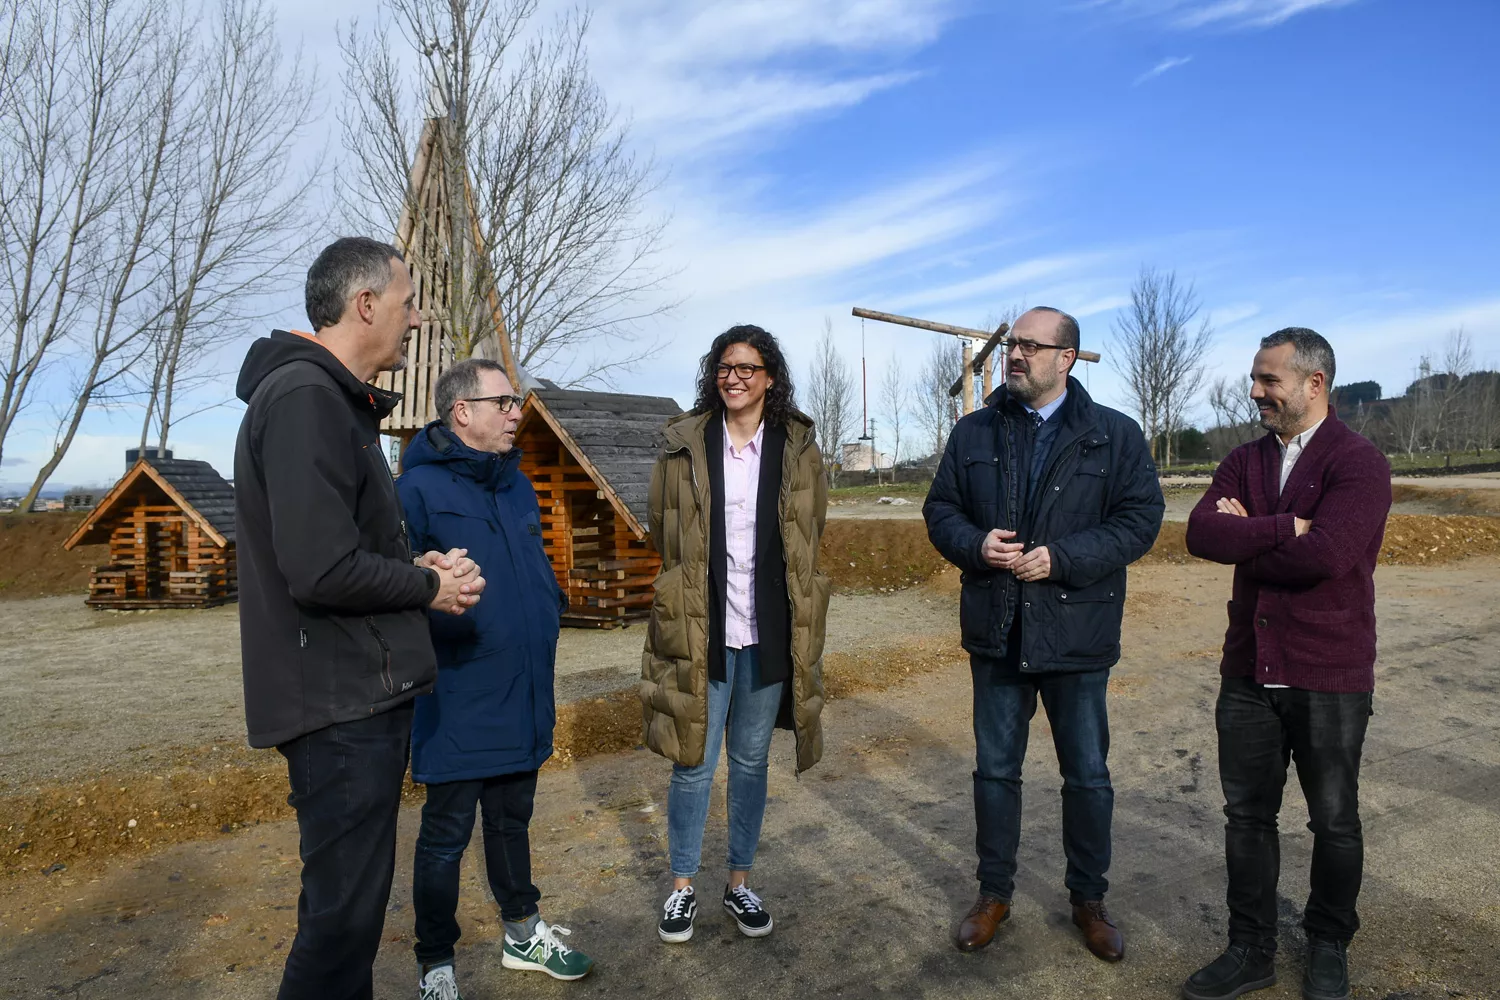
column 238, row 218
column 831, row 399
column 894, row 394
column 1447, row 393
column 1159, row 346
column 550, row 245
column 65, row 120
column 937, row 411
column 1236, row 416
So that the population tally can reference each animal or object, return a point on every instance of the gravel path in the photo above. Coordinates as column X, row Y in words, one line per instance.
column 133, row 690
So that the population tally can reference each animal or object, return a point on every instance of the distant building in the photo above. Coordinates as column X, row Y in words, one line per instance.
column 80, row 499
column 860, row 456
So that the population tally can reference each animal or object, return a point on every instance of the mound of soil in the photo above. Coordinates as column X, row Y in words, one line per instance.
column 1410, row 540
column 878, row 554
column 32, row 560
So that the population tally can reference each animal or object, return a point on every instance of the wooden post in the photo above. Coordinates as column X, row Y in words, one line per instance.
column 989, row 375
column 968, row 376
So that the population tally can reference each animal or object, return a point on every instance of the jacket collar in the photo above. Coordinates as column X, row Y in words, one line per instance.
column 1309, row 464
column 488, row 469
column 685, row 431
column 1080, row 415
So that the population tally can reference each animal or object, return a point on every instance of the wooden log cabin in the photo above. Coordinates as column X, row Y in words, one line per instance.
column 169, row 524
column 590, row 456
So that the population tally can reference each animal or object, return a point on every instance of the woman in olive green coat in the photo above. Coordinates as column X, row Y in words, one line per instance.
column 735, row 646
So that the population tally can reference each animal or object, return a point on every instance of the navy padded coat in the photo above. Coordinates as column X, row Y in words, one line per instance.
column 1099, row 507
column 492, row 710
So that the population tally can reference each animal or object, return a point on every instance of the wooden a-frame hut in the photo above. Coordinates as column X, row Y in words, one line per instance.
column 590, row 456
column 170, row 528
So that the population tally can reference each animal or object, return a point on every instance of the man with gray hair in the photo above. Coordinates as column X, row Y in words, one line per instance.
column 479, row 738
column 1300, row 515
column 333, row 623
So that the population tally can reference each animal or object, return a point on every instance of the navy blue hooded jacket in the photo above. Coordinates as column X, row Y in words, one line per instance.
column 492, row 711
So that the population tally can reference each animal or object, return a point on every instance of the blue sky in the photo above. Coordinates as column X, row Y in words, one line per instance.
column 1325, row 163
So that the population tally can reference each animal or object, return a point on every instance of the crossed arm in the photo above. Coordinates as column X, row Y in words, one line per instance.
column 1283, row 548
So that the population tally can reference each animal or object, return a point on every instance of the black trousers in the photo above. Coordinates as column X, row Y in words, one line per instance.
column 1260, row 731
column 447, row 826
column 346, row 787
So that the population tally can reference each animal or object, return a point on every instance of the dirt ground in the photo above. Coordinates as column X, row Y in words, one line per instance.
column 867, row 859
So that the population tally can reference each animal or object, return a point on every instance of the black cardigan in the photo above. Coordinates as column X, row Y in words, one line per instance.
column 773, row 607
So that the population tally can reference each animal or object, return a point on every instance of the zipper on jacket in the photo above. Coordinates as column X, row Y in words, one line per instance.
column 385, row 656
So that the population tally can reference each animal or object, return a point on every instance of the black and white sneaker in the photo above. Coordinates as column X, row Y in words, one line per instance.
column 677, row 916
column 748, row 911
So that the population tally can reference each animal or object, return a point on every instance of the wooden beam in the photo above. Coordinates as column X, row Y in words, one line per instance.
column 956, row 331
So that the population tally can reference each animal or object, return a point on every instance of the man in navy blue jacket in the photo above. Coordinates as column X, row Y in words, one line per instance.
column 1043, row 498
column 480, row 736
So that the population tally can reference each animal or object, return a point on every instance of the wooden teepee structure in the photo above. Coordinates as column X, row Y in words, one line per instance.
column 440, row 237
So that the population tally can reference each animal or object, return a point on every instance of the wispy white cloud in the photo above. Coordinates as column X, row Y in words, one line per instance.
column 695, row 76
column 1170, row 63
column 1230, row 14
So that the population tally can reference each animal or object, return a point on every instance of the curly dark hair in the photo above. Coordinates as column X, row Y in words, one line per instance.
column 779, row 397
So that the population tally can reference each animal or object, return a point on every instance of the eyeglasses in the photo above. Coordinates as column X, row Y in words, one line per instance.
column 506, row 403
column 745, row 371
column 1030, row 347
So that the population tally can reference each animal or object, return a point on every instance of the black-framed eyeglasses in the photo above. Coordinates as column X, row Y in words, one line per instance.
column 745, row 371
column 1030, row 347
column 506, row 403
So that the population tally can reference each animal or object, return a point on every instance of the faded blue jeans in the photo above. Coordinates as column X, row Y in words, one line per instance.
column 1004, row 702
column 748, row 710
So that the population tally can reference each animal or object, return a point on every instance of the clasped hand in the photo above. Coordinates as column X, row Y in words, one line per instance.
column 459, row 582
column 1000, row 552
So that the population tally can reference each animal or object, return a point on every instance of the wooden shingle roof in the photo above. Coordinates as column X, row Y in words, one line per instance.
column 619, row 435
column 202, row 487
column 203, row 494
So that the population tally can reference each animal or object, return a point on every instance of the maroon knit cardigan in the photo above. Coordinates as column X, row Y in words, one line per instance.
column 1303, row 612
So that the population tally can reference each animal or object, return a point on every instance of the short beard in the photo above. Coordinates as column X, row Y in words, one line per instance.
column 1286, row 418
column 1025, row 387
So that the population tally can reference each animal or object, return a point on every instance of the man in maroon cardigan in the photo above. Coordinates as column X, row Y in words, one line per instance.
column 1300, row 514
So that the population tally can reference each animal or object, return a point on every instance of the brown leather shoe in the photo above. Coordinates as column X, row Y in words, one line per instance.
column 1099, row 932
column 979, row 925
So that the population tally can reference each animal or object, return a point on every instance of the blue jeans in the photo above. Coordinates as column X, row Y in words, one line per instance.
column 447, row 827
column 1004, row 702
column 748, row 709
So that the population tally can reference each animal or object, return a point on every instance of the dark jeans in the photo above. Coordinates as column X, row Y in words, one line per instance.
column 447, row 826
column 1004, row 702
column 1260, row 731
column 346, row 787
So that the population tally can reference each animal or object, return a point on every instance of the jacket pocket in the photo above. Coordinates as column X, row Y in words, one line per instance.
column 1088, row 620
column 1333, row 635
column 668, row 630
column 1084, row 491
column 977, row 616
column 982, row 477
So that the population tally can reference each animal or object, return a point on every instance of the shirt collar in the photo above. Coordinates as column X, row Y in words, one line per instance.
column 1301, row 440
column 752, row 445
column 1051, row 407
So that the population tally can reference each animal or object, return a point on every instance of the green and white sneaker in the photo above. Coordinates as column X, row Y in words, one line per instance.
column 545, row 953
column 439, row 984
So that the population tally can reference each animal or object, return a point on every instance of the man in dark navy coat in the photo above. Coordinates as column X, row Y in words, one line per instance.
column 480, row 736
column 1043, row 498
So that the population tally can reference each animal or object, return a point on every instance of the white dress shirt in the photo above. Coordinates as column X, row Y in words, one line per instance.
column 1292, row 450
column 741, row 484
